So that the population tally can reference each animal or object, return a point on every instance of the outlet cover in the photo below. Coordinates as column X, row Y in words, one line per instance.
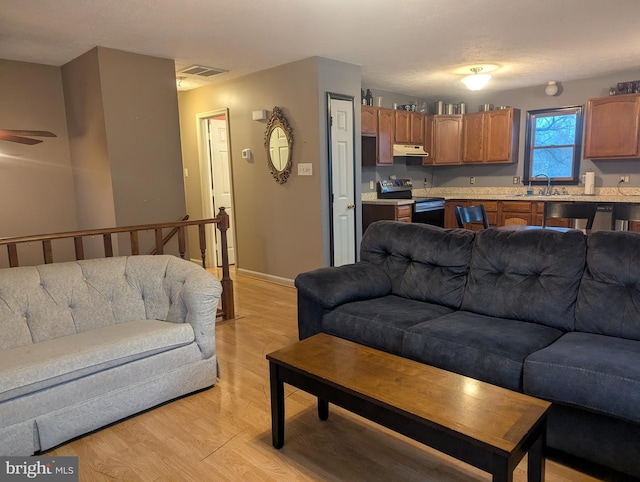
column 516, row 179
column 472, row 180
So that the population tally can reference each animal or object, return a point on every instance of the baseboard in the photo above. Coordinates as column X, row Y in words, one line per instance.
column 264, row 276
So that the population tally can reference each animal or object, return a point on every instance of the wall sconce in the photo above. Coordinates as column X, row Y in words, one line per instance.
column 257, row 115
column 552, row 88
column 476, row 81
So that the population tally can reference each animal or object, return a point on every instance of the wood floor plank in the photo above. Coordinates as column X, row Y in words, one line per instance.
column 224, row 433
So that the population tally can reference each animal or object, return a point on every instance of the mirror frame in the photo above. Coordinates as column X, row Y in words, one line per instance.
column 278, row 119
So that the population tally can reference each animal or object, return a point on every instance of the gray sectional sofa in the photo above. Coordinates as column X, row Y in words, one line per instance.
column 86, row 343
column 554, row 315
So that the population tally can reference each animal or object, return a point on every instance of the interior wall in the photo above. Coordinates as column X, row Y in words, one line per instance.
column 279, row 227
column 122, row 112
column 143, row 137
column 575, row 92
column 36, row 182
column 88, row 142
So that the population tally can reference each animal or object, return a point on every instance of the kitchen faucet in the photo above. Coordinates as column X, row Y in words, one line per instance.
column 548, row 192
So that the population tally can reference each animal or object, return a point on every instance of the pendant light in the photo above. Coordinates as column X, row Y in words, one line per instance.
column 476, row 81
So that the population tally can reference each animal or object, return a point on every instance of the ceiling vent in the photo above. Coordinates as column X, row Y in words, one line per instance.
column 202, row 71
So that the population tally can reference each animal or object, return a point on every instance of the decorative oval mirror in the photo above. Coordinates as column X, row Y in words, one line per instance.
column 278, row 141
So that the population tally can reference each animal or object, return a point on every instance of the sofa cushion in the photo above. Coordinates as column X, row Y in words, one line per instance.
column 379, row 322
column 609, row 296
column 528, row 275
column 489, row 349
column 423, row 262
column 35, row 367
column 596, row 372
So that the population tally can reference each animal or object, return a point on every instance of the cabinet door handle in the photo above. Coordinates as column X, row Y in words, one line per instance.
column 351, row 206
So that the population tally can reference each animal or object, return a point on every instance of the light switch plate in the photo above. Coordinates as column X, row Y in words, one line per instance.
column 305, row 169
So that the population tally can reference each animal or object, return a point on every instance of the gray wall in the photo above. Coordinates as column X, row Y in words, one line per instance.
column 572, row 93
column 36, row 182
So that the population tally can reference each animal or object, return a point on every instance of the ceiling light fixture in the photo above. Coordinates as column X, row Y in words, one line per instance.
column 552, row 88
column 476, row 81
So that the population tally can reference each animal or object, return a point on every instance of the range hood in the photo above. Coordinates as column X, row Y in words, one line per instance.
column 403, row 150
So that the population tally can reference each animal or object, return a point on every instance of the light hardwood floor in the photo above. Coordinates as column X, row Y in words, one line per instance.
column 224, row 433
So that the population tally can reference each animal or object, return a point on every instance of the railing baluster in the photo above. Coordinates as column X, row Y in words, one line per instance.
column 46, row 251
column 135, row 244
column 12, row 250
column 108, row 246
column 159, row 246
column 203, row 244
column 79, row 246
column 181, row 242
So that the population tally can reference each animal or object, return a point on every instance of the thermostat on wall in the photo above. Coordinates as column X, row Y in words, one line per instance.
column 246, row 153
column 259, row 114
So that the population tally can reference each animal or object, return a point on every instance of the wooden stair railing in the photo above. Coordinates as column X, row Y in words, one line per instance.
column 226, row 311
column 168, row 236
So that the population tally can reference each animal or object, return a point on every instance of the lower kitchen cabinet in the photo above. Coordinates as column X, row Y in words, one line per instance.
column 380, row 212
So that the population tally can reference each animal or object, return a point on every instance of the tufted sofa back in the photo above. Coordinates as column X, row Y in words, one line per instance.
column 528, row 275
column 39, row 303
column 423, row 262
column 609, row 297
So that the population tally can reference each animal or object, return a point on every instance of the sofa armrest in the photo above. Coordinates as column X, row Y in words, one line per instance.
column 325, row 288
column 201, row 294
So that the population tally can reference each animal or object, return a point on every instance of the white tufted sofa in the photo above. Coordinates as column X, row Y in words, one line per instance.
column 86, row 343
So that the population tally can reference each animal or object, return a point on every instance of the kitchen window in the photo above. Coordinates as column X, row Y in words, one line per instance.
column 553, row 143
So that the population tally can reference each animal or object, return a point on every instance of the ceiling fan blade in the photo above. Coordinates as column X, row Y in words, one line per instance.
column 22, row 140
column 18, row 132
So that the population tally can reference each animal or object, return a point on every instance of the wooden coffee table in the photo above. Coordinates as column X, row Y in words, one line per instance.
column 489, row 427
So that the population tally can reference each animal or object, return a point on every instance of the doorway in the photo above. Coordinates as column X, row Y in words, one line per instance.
column 342, row 179
column 216, row 182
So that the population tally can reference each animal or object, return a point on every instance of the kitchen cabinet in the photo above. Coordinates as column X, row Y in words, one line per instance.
column 613, row 127
column 517, row 212
column 377, row 143
column 409, row 127
column 447, row 140
column 491, row 137
column 377, row 212
column 369, row 121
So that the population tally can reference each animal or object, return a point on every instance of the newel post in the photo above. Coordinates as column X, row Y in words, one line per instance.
column 227, row 283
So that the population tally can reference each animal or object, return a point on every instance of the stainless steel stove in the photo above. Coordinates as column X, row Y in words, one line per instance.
column 426, row 210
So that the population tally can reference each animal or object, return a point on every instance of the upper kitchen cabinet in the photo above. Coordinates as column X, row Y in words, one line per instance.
column 613, row 127
column 369, row 121
column 491, row 137
column 377, row 127
column 447, row 139
column 409, row 127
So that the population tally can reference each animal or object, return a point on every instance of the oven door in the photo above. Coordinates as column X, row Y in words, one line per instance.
column 429, row 212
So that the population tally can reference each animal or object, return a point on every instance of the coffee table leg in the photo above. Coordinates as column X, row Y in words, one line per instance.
column 277, row 406
column 502, row 472
column 536, row 461
column 323, row 409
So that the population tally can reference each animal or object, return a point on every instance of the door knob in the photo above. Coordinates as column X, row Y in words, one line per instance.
column 351, row 206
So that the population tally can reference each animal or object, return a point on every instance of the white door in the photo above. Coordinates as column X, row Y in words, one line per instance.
column 342, row 182
column 221, row 180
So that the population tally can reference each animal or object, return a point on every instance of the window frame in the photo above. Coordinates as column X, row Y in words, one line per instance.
column 532, row 115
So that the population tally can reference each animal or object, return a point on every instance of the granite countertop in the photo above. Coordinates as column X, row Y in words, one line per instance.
column 603, row 195
column 388, row 202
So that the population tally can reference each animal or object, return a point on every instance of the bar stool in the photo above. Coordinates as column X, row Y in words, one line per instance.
column 472, row 214
column 624, row 212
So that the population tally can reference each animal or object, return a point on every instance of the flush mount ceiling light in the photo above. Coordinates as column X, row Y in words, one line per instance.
column 552, row 88
column 476, row 81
